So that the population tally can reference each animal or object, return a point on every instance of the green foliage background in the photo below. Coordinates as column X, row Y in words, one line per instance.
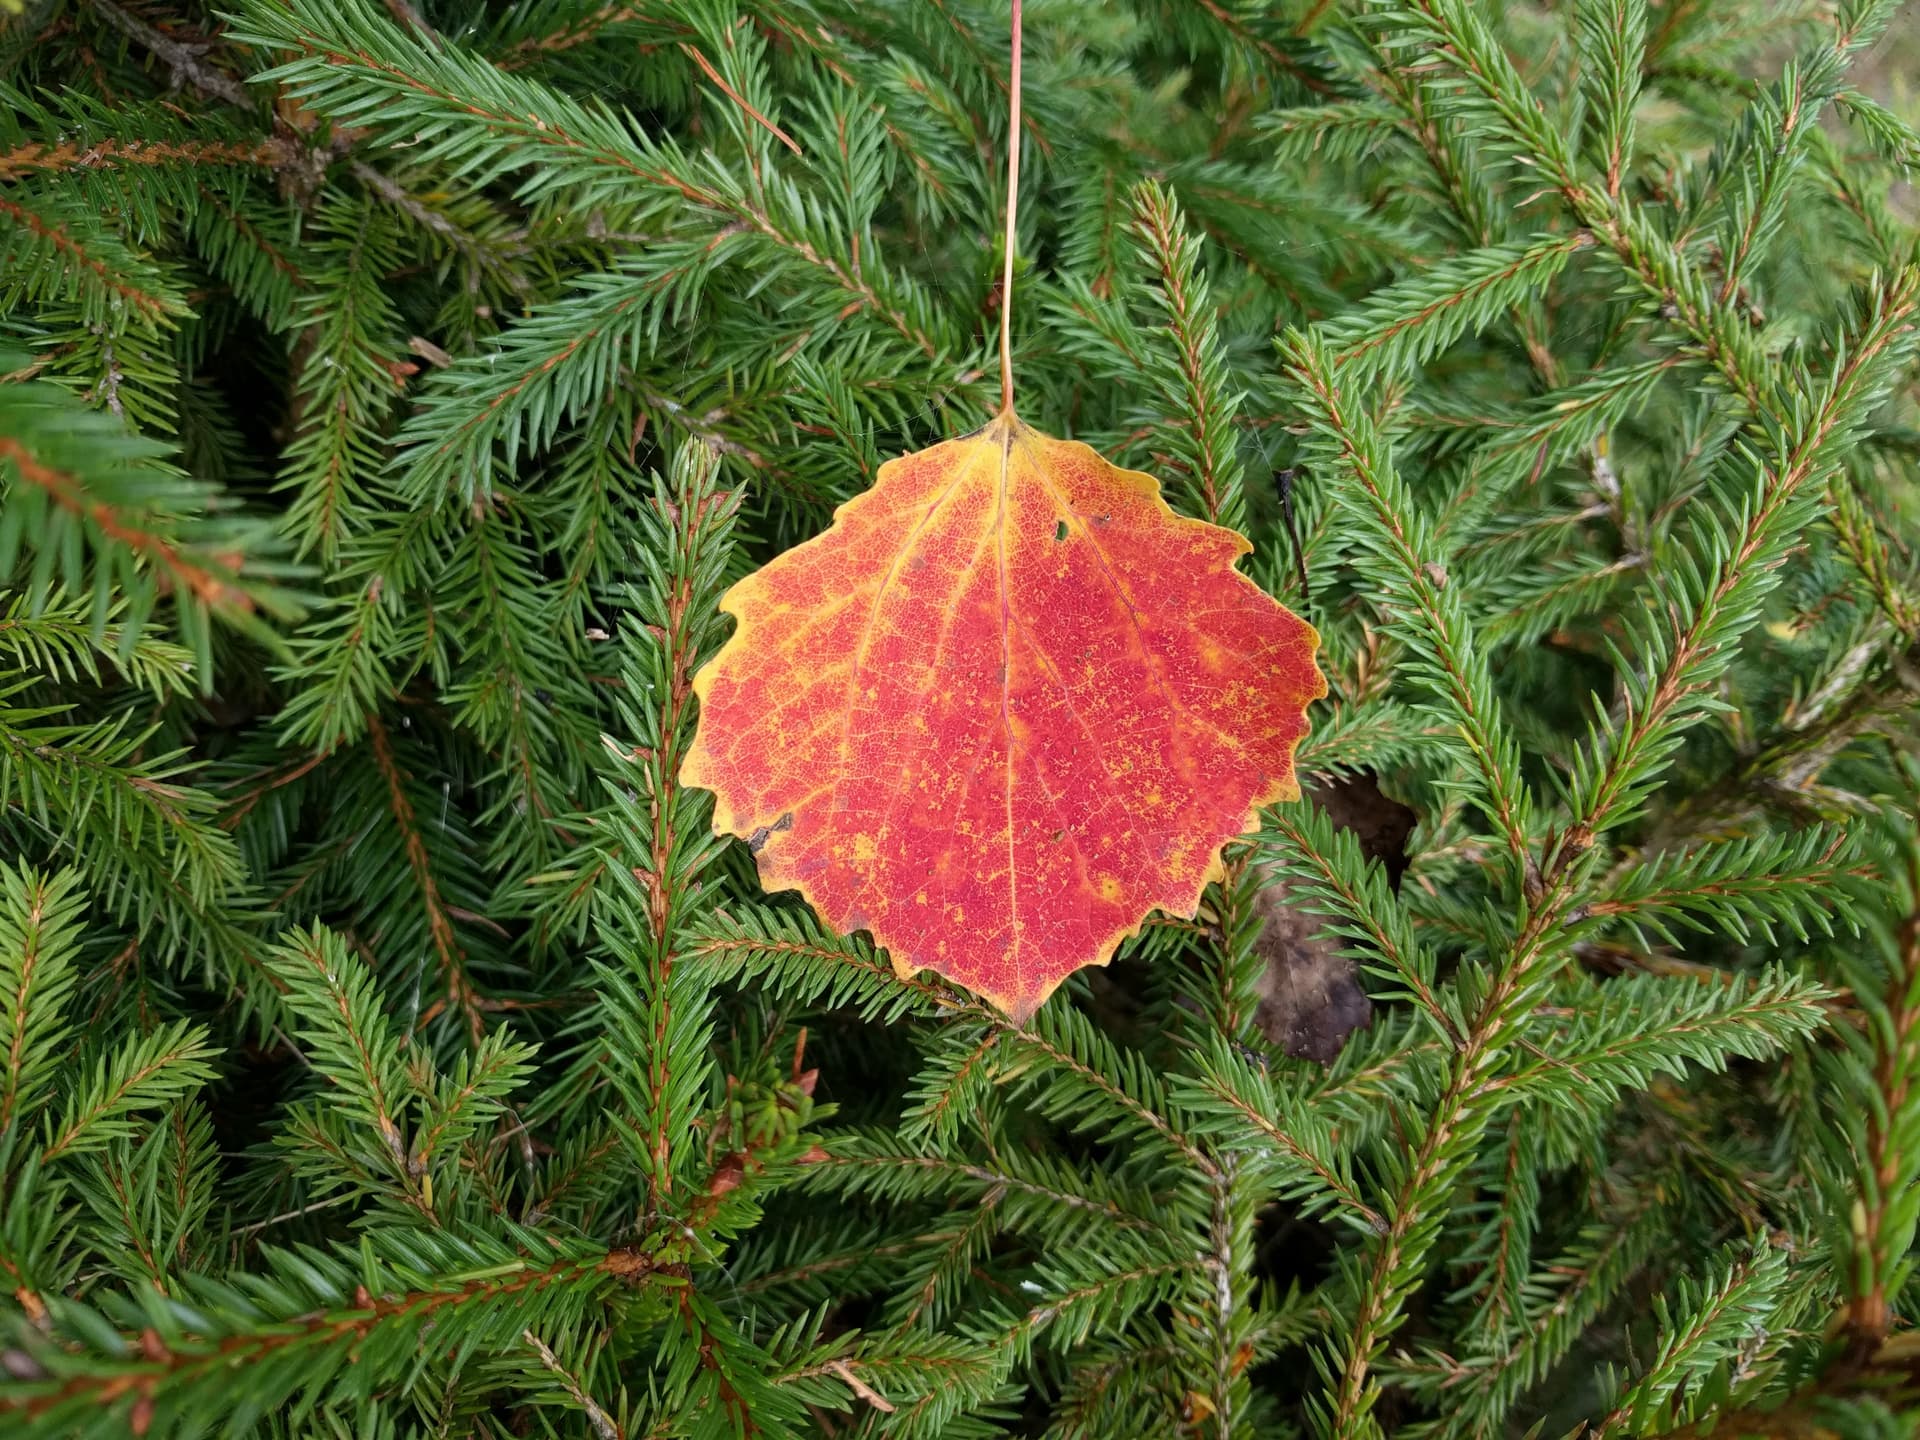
column 389, row 390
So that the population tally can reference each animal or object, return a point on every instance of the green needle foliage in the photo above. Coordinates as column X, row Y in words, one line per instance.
column 389, row 389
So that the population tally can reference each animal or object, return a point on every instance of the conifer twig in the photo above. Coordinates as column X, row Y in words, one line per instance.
column 604, row 1425
column 1459, row 1118
column 37, row 158
column 182, row 58
column 460, row 993
column 1890, row 1121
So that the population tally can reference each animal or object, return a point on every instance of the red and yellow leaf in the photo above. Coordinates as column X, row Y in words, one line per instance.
column 1004, row 707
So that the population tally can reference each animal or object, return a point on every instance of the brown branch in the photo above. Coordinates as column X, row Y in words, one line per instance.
column 383, row 1111
column 554, row 137
column 202, row 1359
column 706, row 68
column 604, row 1425
column 29, row 964
column 129, row 1083
column 453, row 960
column 68, row 492
column 1869, row 1315
column 577, row 30
column 152, row 307
column 1157, row 221
column 23, row 160
column 425, row 216
column 181, row 57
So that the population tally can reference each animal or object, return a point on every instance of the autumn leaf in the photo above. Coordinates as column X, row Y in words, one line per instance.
column 1007, row 705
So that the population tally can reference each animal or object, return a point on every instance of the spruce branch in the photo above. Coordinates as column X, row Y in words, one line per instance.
column 350, row 1045
column 1701, row 1328
column 1203, row 443
column 659, row 1008
column 484, row 257
column 1781, row 123
column 1613, row 35
column 1603, row 790
column 39, row 930
column 186, row 60
column 605, row 1427
column 370, row 74
column 1404, row 325
column 36, row 157
column 871, row 1163
column 1647, row 1025
column 82, row 485
column 60, row 640
column 1803, row 883
column 154, row 1071
column 1328, row 863
column 1079, row 1304
column 348, row 331
column 1400, row 551
column 1884, row 1217
column 460, row 997
column 1316, row 1172
column 1475, row 1393
column 164, row 867
column 1716, row 608
column 67, row 491
column 524, row 41
column 1449, row 1134
column 50, row 249
column 222, row 1351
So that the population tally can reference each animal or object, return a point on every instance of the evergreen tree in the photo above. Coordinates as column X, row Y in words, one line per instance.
column 388, row 392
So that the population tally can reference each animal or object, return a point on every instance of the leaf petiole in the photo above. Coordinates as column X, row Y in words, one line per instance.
column 1013, row 207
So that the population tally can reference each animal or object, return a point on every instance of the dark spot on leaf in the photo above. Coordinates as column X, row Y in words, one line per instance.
column 757, row 841
column 1060, row 531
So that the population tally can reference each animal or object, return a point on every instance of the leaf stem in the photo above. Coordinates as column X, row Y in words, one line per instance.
column 1013, row 206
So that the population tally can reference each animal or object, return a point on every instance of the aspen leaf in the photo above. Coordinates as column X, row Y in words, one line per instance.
column 1004, row 707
